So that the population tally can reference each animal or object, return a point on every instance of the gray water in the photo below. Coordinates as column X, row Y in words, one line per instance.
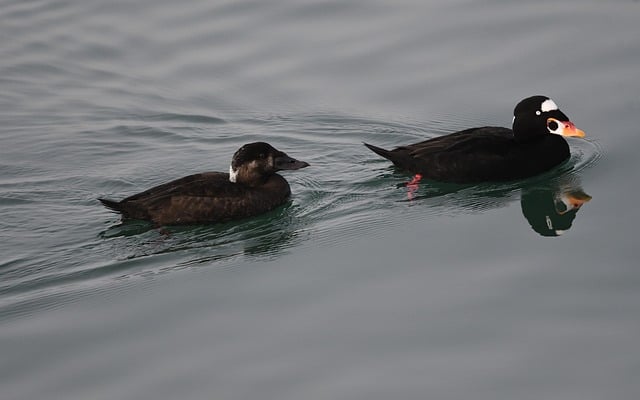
column 352, row 290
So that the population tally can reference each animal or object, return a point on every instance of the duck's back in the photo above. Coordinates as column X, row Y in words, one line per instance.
column 204, row 197
column 480, row 154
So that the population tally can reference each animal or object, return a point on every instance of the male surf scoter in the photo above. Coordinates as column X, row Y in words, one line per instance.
column 251, row 187
column 492, row 153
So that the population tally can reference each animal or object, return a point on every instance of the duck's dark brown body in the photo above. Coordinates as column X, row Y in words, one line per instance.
column 479, row 154
column 203, row 198
column 251, row 187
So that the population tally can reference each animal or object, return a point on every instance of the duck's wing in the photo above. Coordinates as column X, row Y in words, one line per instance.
column 459, row 141
column 202, row 184
column 145, row 205
column 205, row 197
column 487, row 154
column 487, row 143
column 226, row 205
column 484, row 141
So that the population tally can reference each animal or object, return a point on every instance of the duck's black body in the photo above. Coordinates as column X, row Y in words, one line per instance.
column 477, row 155
column 211, row 197
column 492, row 153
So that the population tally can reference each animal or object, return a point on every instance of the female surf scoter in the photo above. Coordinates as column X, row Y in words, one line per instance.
column 251, row 187
column 492, row 153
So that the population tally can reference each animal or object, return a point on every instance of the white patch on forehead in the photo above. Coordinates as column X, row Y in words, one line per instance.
column 233, row 175
column 548, row 105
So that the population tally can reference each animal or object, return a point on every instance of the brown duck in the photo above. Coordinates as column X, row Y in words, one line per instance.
column 251, row 187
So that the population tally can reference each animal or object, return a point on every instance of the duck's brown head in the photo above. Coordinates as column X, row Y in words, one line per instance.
column 255, row 162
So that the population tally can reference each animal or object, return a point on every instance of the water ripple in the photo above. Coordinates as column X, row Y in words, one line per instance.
column 345, row 193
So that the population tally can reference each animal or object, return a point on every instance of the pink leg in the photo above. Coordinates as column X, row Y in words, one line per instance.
column 415, row 180
column 412, row 186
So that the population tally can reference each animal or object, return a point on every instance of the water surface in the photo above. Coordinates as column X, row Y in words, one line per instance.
column 358, row 287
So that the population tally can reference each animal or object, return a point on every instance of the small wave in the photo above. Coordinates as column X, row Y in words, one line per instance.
column 585, row 154
column 191, row 118
column 343, row 192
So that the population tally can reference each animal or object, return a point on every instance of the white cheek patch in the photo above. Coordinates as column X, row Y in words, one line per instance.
column 548, row 105
column 233, row 175
column 567, row 202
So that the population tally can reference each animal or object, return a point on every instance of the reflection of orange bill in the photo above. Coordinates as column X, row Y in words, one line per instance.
column 573, row 200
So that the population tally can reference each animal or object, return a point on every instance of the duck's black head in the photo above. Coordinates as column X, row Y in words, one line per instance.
column 539, row 115
column 253, row 163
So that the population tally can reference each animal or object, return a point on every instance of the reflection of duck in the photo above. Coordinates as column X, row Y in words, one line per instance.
column 251, row 187
column 265, row 235
column 492, row 153
column 551, row 210
column 549, row 205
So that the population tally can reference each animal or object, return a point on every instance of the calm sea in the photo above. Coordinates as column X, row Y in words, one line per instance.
column 352, row 290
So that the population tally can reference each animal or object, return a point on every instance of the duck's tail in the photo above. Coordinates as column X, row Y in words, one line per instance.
column 379, row 151
column 111, row 204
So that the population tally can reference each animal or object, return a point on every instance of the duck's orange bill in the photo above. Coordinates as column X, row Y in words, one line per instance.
column 571, row 130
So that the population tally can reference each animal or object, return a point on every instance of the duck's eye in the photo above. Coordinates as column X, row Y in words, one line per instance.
column 262, row 155
column 552, row 125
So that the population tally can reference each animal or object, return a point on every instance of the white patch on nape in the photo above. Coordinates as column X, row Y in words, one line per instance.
column 233, row 175
column 548, row 105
